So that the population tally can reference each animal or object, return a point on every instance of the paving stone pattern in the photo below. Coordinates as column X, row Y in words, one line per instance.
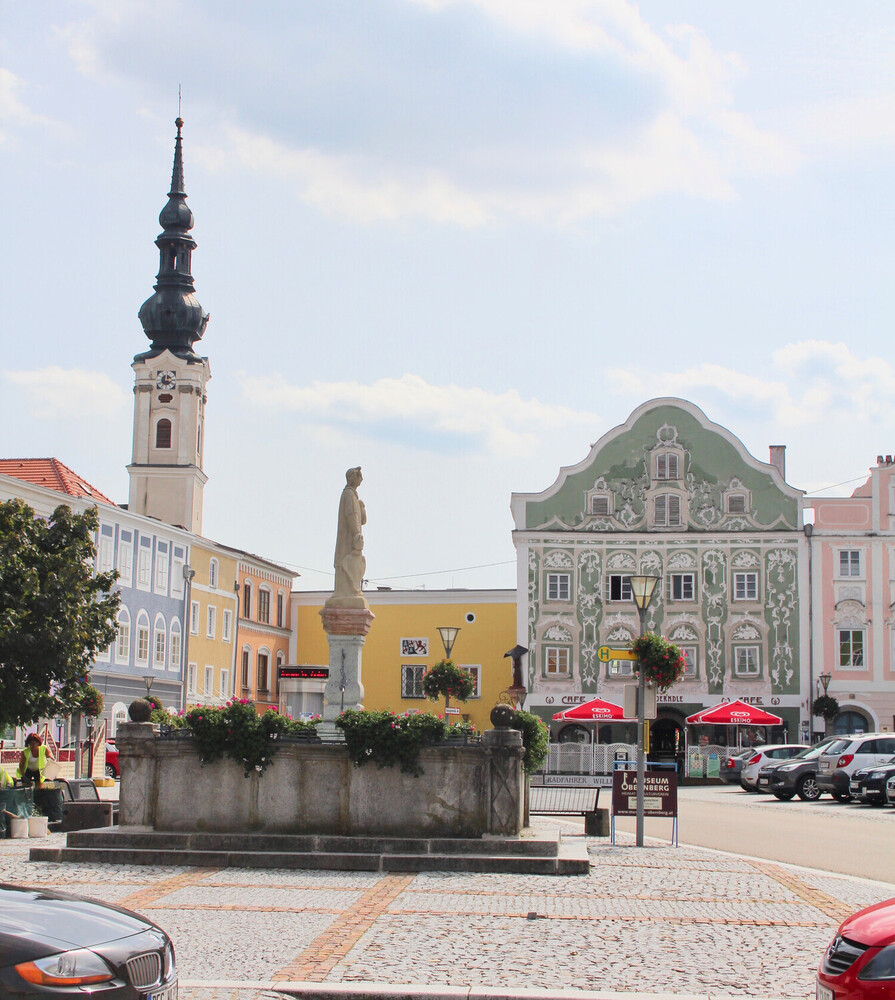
column 655, row 920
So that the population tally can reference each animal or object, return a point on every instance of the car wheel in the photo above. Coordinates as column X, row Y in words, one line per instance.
column 841, row 796
column 111, row 772
column 808, row 790
column 784, row 796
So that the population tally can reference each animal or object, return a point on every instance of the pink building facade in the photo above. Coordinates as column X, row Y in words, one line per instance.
column 851, row 610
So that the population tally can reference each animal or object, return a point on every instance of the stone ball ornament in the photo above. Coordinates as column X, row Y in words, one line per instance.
column 502, row 716
column 140, row 710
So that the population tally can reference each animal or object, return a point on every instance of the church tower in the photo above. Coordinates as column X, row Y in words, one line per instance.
column 166, row 477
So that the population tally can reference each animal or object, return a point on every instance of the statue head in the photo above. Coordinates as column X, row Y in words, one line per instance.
column 353, row 477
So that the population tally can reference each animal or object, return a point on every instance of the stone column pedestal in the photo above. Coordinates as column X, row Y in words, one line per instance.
column 346, row 629
column 136, row 742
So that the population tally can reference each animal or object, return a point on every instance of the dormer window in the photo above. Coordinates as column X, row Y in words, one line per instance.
column 736, row 503
column 668, row 466
column 668, row 510
column 599, row 505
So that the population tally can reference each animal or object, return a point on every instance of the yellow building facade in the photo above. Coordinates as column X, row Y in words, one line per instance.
column 404, row 641
column 214, row 611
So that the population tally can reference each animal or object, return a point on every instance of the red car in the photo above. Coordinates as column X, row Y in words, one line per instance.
column 860, row 962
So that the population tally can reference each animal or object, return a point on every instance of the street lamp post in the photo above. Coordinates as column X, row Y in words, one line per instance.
column 642, row 590
column 448, row 635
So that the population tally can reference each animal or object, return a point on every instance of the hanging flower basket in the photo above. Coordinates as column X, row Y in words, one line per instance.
column 91, row 701
column 446, row 678
column 662, row 663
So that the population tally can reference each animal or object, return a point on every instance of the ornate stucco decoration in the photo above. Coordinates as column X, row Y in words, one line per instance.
column 850, row 614
column 682, row 560
column 558, row 559
column 557, row 633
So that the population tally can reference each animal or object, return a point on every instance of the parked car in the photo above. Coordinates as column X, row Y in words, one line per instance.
column 842, row 758
column 762, row 756
column 859, row 963
column 732, row 766
column 111, row 759
column 797, row 776
column 57, row 944
column 869, row 784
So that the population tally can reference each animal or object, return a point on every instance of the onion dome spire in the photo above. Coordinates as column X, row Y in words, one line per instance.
column 172, row 318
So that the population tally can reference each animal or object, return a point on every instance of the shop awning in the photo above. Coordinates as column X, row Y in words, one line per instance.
column 594, row 711
column 735, row 713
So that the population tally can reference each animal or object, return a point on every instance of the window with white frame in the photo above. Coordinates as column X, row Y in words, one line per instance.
column 123, row 639
column 745, row 586
column 746, row 661
column 246, row 667
column 191, row 671
column 144, row 565
column 160, row 644
column 412, row 675
column 247, row 599
column 849, row 562
column 125, row 558
column 667, row 466
column 194, row 617
column 178, row 561
column 263, row 672
column 213, row 574
column 209, row 680
column 142, row 651
column 176, row 646
column 557, row 661
column 226, row 625
column 619, row 587
column 161, row 568
column 691, row 667
column 851, row 648
column 620, row 668
column 476, row 670
column 264, row 605
column 281, row 608
column 225, row 683
column 668, row 510
column 211, row 623
column 105, row 556
column 683, row 587
column 559, row 586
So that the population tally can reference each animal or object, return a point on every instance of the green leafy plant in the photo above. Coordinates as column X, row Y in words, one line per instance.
column 388, row 740
column 662, row 662
column 535, row 739
column 826, row 706
column 237, row 731
column 154, row 701
column 446, row 680
column 91, row 701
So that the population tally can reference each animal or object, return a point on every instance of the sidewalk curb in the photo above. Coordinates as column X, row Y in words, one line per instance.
column 397, row 991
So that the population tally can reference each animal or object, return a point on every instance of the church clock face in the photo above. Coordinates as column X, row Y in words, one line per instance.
column 165, row 380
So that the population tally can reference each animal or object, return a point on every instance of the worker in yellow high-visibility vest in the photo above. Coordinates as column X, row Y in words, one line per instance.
column 6, row 780
column 33, row 761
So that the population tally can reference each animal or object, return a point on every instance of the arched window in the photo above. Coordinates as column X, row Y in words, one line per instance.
column 118, row 715
column 851, row 722
column 176, row 645
column 263, row 671
column 142, row 653
column 264, row 605
column 163, row 433
column 160, row 643
column 245, row 678
column 123, row 641
column 281, row 608
column 213, row 574
column 247, row 599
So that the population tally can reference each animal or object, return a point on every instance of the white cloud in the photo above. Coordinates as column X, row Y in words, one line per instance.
column 71, row 395
column 12, row 110
column 847, row 123
column 431, row 417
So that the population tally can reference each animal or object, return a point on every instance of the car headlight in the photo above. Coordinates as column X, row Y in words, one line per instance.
column 881, row 966
column 168, row 968
column 70, row 968
column 787, row 767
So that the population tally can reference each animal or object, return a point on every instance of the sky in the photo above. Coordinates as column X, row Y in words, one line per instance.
column 451, row 241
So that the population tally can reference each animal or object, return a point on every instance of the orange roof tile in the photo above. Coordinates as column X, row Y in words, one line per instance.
column 52, row 474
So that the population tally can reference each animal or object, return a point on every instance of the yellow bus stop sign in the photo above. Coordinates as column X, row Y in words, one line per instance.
column 607, row 653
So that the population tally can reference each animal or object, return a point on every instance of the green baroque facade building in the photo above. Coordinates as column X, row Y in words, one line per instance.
column 671, row 494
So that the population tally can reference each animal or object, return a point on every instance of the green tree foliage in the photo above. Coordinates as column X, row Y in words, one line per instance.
column 56, row 613
column 535, row 739
column 826, row 707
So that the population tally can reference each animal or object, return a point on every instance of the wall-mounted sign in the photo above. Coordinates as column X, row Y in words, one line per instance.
column 414, row 647
column 303, row 673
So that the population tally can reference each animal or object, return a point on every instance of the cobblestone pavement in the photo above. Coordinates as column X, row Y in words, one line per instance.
column 655, row 920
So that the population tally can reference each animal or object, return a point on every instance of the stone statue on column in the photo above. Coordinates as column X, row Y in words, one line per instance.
column 349, row 562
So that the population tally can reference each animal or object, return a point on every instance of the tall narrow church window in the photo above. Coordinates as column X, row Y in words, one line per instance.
column 163, row 434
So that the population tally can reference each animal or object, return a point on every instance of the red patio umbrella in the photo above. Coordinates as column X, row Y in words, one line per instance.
column 735, row 713
column 594, row 711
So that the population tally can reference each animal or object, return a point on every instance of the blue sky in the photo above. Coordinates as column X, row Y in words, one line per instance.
column 452, row 241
